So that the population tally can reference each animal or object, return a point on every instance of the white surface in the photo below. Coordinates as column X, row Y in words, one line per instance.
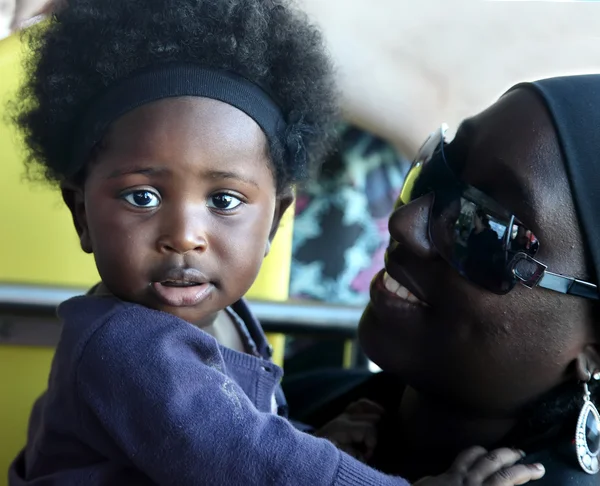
column 407, row 65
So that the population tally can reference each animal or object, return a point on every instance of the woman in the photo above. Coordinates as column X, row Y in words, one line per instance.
column 472, row 358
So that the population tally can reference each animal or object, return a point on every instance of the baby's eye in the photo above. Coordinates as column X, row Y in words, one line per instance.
column 142, row 198
column 223, row 202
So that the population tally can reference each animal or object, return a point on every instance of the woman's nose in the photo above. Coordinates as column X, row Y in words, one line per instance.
column 409, row 226
column 184, row 231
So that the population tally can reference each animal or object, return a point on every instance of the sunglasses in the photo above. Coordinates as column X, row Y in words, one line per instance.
column 483, row 241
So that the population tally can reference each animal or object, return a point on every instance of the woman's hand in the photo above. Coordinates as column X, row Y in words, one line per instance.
column 355, row 430
column 478, row 467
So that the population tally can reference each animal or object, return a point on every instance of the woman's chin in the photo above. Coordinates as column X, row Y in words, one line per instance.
column 379, row 346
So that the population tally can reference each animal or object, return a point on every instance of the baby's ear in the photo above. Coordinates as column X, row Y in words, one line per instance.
column 74, row 198
column 284, row 200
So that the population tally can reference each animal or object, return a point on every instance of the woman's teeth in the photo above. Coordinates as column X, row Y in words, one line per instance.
column 402, row 292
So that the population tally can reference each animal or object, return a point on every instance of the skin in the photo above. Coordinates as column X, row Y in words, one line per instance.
column 201, row 170
column 473, row 359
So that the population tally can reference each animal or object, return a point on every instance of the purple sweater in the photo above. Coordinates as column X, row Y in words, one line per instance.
column 140, row 397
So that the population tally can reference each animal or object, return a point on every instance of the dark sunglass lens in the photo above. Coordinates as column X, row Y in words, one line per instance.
column 471, row 240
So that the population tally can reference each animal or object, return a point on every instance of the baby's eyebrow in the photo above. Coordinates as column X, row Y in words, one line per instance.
column 222, row 174
column 143, row 170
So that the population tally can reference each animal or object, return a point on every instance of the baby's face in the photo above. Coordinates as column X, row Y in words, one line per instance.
column 178, row 206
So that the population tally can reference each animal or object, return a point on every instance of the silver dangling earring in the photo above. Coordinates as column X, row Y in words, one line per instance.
column 587, row 434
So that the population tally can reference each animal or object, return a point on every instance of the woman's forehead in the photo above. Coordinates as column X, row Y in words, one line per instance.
column 518, row 119
column 513, row 142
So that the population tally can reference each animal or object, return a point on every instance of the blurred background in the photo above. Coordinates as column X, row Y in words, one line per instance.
column 403, row 68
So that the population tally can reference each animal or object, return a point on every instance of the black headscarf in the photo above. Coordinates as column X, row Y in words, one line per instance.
column 574, row 105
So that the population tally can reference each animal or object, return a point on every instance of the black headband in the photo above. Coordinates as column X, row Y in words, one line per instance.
column 168, row 81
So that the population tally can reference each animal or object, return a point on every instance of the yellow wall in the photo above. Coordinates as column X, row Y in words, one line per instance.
column 23, row 376
column 37, row 236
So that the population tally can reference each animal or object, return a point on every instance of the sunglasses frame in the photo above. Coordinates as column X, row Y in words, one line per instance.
column 539, row 276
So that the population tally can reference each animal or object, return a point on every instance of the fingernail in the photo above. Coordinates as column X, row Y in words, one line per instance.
column 523, row 454
column 539, row 467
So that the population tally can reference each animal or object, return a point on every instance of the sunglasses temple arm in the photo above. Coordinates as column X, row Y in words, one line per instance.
column 568, row 285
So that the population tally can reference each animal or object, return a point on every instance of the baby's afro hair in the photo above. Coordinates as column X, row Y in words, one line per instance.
column 91, row 44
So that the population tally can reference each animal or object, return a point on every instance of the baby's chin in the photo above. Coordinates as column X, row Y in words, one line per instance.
column 202, row 315
column 201, row 319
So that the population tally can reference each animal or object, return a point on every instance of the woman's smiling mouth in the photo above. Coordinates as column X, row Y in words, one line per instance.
column 398, row 290
column 394, row 303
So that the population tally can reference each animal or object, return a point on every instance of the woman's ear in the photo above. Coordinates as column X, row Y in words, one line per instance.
column 588, row 362
column 73, row 197
column 284, row 201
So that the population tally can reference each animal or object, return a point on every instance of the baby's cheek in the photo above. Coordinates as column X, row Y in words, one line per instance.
column 122, row 266
column 244, row 266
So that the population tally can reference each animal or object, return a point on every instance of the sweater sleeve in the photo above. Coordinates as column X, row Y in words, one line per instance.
column 154, row 395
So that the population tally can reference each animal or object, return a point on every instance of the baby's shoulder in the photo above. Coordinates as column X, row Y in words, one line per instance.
column 81, row 317
column 105, row 327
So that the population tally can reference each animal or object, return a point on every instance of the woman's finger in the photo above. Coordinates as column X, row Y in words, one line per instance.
column 358, row 432
column 366, row 418
column 465, row 460
column 363, row 434
column 364, row 406
column 515, row 475
column 369, row 444
column 491, row 463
